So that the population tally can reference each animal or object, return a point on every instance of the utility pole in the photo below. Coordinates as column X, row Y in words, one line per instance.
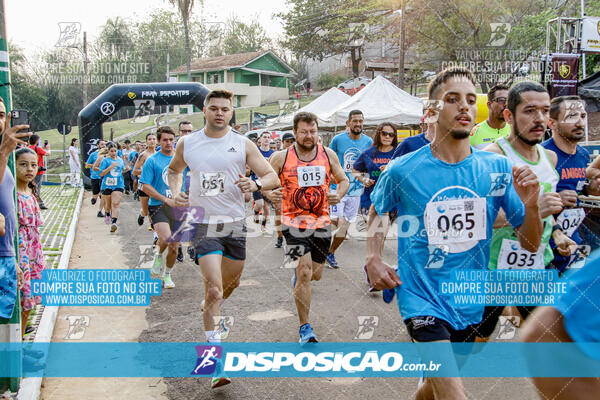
column 402, row 39
column 10, row 329
column 85, row 70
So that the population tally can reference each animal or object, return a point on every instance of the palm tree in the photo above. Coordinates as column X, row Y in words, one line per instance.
column 116, row 36
column 185, row 9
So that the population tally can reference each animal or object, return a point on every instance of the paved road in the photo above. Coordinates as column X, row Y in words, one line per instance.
column 263, row 310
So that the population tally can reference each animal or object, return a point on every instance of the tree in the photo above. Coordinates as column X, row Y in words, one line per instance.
column 115, row 38
column 317, row 29
column 461, row 30
column 185, row 10
column 242, row 37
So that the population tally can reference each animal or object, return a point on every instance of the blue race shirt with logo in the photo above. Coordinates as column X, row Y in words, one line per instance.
column 155, row 174
column 91, row 160
column 474, row 189
column 114, row 178
column 348, row 150
column 371, row 160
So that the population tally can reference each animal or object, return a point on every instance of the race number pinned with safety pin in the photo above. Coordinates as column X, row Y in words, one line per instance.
column 456, row 221
column 570, row 219
column 111, row 181
column 212, row 183
column 311, row 175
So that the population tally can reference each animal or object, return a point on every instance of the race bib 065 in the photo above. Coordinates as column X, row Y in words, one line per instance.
column 456, row 221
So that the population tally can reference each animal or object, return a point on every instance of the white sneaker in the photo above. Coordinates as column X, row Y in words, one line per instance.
column 168, row 282
column 156, row 265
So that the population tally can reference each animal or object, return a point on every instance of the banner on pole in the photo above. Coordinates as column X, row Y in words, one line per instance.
column 565, row 68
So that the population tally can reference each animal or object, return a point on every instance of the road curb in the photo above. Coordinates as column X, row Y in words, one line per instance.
column 30, row 387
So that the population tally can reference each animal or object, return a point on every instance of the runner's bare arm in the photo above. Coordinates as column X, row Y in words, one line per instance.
column 527, row 187
column 175, row 170
column 260, row 166
column 150, row 191
column 381, row 275
column 96, row 166
column 494, row 148
column 338, row 173
column 107, row 169
column 137, row 168
column 276, row 161
column 593, row 175
column 552, row 157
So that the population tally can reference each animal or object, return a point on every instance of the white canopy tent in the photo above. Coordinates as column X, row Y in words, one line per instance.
column 321, row 106
column 380, row 101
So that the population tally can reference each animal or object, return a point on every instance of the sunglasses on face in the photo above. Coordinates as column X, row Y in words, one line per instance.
column 500, row 100
column 388, row 134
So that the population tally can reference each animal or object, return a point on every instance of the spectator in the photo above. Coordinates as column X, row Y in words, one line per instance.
column 11, row 276
column 34, row 141
column 31, row 254
column 74, row 165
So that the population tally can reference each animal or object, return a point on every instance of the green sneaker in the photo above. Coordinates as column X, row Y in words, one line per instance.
column 156, row 265
column 219, row 381
column 168, row 282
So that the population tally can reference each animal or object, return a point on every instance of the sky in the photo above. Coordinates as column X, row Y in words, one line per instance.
column 33, row 24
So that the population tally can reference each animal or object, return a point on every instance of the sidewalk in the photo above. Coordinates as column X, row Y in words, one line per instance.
column 95, row 247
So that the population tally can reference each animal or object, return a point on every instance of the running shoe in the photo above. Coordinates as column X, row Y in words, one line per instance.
column 135, row 196
column 279, row 243
column 155, row 240
column 219, row 381
column 191, row 252
column 263, row 229
column 219, row 378
column 100, row 214
column 113, row 227
column 179, row 254
column 29, row 329
column 168, row 282
column 140, row 220
column 388, row 295
column 43, row 207
column 331, row 261
column 202, row 305
column 107, row 218
column 156, row 265
column 150, row 228
column 93, row 201
column 307, row 335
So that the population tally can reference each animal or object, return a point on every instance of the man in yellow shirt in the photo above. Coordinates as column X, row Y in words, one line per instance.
column 494, row 127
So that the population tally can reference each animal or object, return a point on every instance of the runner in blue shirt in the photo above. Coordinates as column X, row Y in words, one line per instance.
column 567, row 121
column 413, row 143
column 260, row 202
column 434, row 188
column 111, row 170
column 155, row 184
column 575, row 318
column 348, row 146
column 372, row 162
column 95, row 176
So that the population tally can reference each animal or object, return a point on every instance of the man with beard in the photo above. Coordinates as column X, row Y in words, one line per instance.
column 348, row 146
column 305, row 171
column 442, row 182
column 568, row 119
column 527, row 113
column 216, row 198
column 495, row 126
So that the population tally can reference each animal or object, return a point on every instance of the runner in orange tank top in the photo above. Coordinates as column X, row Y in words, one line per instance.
column 305, row 171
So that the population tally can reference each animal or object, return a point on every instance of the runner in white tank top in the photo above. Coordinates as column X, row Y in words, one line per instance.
column 217, row 158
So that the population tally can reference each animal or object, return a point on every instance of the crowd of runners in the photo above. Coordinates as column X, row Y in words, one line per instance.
column 502, row 194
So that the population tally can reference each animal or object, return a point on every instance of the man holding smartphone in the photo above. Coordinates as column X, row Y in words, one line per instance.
column 34, row 142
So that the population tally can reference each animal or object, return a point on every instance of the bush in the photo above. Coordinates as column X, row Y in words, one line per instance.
column 325, row 81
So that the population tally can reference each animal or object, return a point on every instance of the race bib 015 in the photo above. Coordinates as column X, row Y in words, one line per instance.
column 311, row 175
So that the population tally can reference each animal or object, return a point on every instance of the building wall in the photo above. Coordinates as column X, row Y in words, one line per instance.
column 253, row 96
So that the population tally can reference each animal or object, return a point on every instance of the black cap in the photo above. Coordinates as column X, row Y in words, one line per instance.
column 288, row 136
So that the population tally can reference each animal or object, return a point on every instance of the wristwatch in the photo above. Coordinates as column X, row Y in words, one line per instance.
column 258, row 184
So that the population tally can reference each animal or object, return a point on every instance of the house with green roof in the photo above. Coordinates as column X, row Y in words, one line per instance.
column 255, row 78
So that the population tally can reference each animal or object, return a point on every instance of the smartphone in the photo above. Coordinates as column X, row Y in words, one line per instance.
column 19, row 117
